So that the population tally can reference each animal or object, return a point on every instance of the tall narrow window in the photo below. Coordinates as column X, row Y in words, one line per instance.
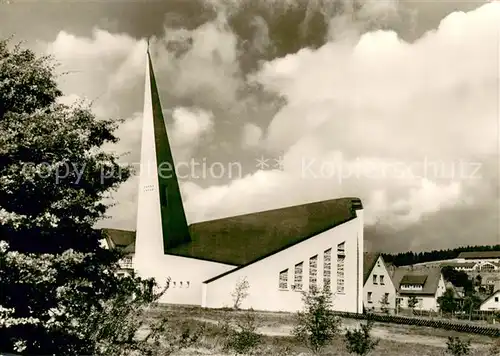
column 313, row 271
column 340, row 267
column 369, row 297
column 299, row 267
column 382, row 280
column 283, row 279
column 327, row 268
column 375, row 279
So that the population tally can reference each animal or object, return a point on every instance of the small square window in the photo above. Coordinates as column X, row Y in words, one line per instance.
column 496, row 299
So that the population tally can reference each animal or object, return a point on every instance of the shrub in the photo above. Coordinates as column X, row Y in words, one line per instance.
column 359, row 341
column 316, row 324
column 242, row 339
column 458, row 347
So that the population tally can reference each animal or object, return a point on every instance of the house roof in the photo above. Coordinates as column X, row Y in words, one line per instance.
column 120, row 239
column 413, row 279
column 459, row 264
column 369, row 260
column 496, row 292
column 244, row 239
column 479, row 254
column 403, row 275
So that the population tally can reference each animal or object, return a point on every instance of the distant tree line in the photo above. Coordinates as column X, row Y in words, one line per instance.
column 410, row 258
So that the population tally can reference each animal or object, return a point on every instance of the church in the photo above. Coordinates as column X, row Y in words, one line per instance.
column 280, row 252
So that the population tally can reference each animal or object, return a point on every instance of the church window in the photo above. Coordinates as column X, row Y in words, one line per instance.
column 313, row 271
column 340, row 267
column 299, row 267
column 283, row 279
column 327, row 268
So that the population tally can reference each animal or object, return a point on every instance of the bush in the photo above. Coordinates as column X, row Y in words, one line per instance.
column 457, row 347
column 242, row 339
column 359, row 340
column 316, row 324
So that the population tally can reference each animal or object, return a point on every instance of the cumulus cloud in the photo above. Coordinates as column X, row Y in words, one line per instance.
column 380, row 100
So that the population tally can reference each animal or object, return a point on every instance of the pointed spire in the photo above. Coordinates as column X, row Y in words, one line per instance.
column 173, row 218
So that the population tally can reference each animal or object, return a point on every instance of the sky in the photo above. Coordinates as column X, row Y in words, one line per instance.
column 283, row 102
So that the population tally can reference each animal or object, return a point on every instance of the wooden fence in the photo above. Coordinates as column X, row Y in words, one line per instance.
column 441, row 324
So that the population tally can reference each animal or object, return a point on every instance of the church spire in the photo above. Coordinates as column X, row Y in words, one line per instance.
column 173, row 219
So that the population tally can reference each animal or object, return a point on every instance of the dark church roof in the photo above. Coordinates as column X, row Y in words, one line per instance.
column 243, row 239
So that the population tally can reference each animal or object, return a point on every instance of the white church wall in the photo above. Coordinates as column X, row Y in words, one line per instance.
column 263, row 276
column 186, row 277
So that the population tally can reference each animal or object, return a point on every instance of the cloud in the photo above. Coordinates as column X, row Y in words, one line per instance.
column 373, row 116
column 380, row 102
column 251, row 135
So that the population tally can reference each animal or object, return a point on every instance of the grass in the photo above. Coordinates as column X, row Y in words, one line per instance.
column 402, row 339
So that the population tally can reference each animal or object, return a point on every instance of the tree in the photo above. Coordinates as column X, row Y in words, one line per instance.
column 471, row 303
column 384, row 303
column 359, row 341
column 447, row 302
column 60, row 294
column 240, row 292
column 458, row 347
column 412, row 303
column 316, row 324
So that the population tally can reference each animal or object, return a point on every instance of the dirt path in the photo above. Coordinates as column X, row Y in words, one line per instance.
column 379, row 331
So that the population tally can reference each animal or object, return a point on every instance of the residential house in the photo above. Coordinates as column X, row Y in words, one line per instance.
column 378, row 288
column 492, row 302
column 426, row 284
column 479, row 256
column 123, row 241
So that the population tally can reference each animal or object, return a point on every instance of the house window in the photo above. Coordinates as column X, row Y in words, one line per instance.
column 187, row 284
column 298, row 275
column 180, row 284
column 126, row 262
column 386, row 296
column 327, row 268
column 174, row 284
column 369, row 297
column 382, row 280
column 283, row 279
column 313, row 271
column 375, row 279
column 496, row 299
column 340, row 267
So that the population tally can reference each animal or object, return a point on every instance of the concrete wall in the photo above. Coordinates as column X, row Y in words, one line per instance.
column 378, row 290
column 490, row 303
column 263, row 276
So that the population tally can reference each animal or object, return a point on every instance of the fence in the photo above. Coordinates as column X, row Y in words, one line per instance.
column 441, row 324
